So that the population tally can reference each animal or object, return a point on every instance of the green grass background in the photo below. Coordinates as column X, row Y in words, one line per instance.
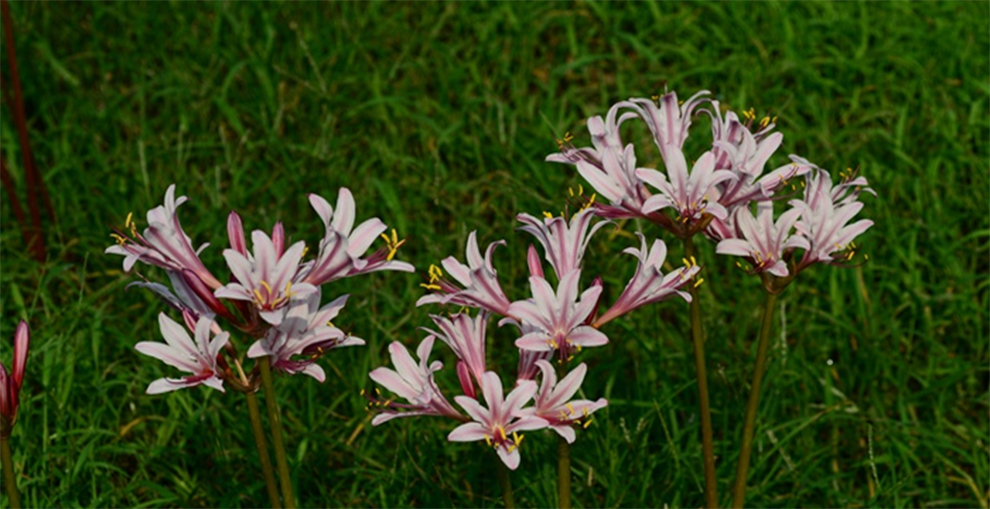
column 438, row 117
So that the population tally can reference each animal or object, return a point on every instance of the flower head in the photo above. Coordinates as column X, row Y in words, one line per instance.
column 558, row 320
column 499, row 424
column 10, row 383
column 689, row 195
column 649, row 284
column 763, row 241
column 307, row 332
column 414, row 383
column 197, row 357
column 553, row 401
column 563, row 242
column 667, row 118
column 268, row 279
column 343, row 245
column 478, row 280
column 164, row 244
column 825, row 214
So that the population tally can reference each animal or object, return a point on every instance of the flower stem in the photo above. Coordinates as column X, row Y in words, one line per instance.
column 259, row 440
column 276, row 423
column 8, row 474
column 506, row 483
column 563, row 473
column 698, row 338
column 742, row 469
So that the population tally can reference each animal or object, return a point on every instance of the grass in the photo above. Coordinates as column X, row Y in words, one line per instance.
column 438, row 117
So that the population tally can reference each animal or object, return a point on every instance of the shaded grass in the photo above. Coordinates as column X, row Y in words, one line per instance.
column 438, row 117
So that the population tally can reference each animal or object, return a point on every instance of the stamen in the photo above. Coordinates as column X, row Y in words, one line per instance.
column 698, row 282
column 267, row 286
column 431, row 287
column 547, row 215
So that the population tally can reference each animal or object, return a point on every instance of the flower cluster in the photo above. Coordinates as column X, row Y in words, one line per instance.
column 725, row 183
column 273, row 294
column 556, row 321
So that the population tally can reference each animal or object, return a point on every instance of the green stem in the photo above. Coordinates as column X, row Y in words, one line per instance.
column 506, row 483
column 698, row 338
column 563, row 473
column 8, row 474
column 259, row 440
column 742, row 469
column 276, row 423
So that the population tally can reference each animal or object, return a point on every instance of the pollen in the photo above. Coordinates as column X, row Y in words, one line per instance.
column 547, row 215
column 698, row 282
column 435, row 273
column 119, row 238
column 430, row 286
column 393, row 244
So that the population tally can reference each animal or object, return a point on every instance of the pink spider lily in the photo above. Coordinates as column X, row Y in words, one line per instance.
column 198, row 358
column 466, row 337
column 690, row 196
column 164, row 244
column 609, row 167
column 764, row 242
column 558, row 319
column 343, row 245
column 563, row 242
column 649, row 284
column 414, row 383
column 307, row 332
column 498, row 425
column 553, row 401
column 667, row 119
column 478, row 281
column 267, row 279
column 10, row 383
column 825, row 215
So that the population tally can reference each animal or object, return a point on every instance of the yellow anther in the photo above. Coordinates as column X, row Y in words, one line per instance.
column 570, row 191
column 129, row 220
column 568, row 138
column 430, row 287
column 512, row 447
column 698, row 282
column 764, row 122
column 547, row 215
column 693, row 261
column 516, row 438
column 119, row 238
column 686, row 262
column 288, row 289
column 580, row 189
column 489, row 440
column 362, row 392
column 774, row 119
column 305, row 250
column 267, row 286
column 867, row 257
column 257, row 295
column 584, row 411
column 570, row 408
column 330, row 324
column 586, row 424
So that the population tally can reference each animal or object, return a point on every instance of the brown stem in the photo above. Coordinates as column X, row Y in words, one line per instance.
column 8, row 184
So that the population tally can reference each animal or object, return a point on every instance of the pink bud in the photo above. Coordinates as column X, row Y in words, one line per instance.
column 235, row 231
column 533, row 260
column 594, row 312
column 22, row 340
column 278, row 238
column 464, row 375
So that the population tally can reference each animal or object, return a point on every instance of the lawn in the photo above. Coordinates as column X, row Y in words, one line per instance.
column 438, row 117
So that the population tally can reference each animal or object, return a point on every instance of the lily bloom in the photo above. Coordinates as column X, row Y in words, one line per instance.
column 478, row 280
column 343, row 245
column 563, row 243
column 267, row 279
column 690, row 195
column 649, row 284
column 764, row 242
column 667, row 119
column 10, row 383
column 825, row 215
column 164, row 244
column 466, row 337
column 413, row 382
column 609, row 167
column 557, row 319
column 306, row 331
column 553, row 401
column 197, row 357
column 499, row 424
